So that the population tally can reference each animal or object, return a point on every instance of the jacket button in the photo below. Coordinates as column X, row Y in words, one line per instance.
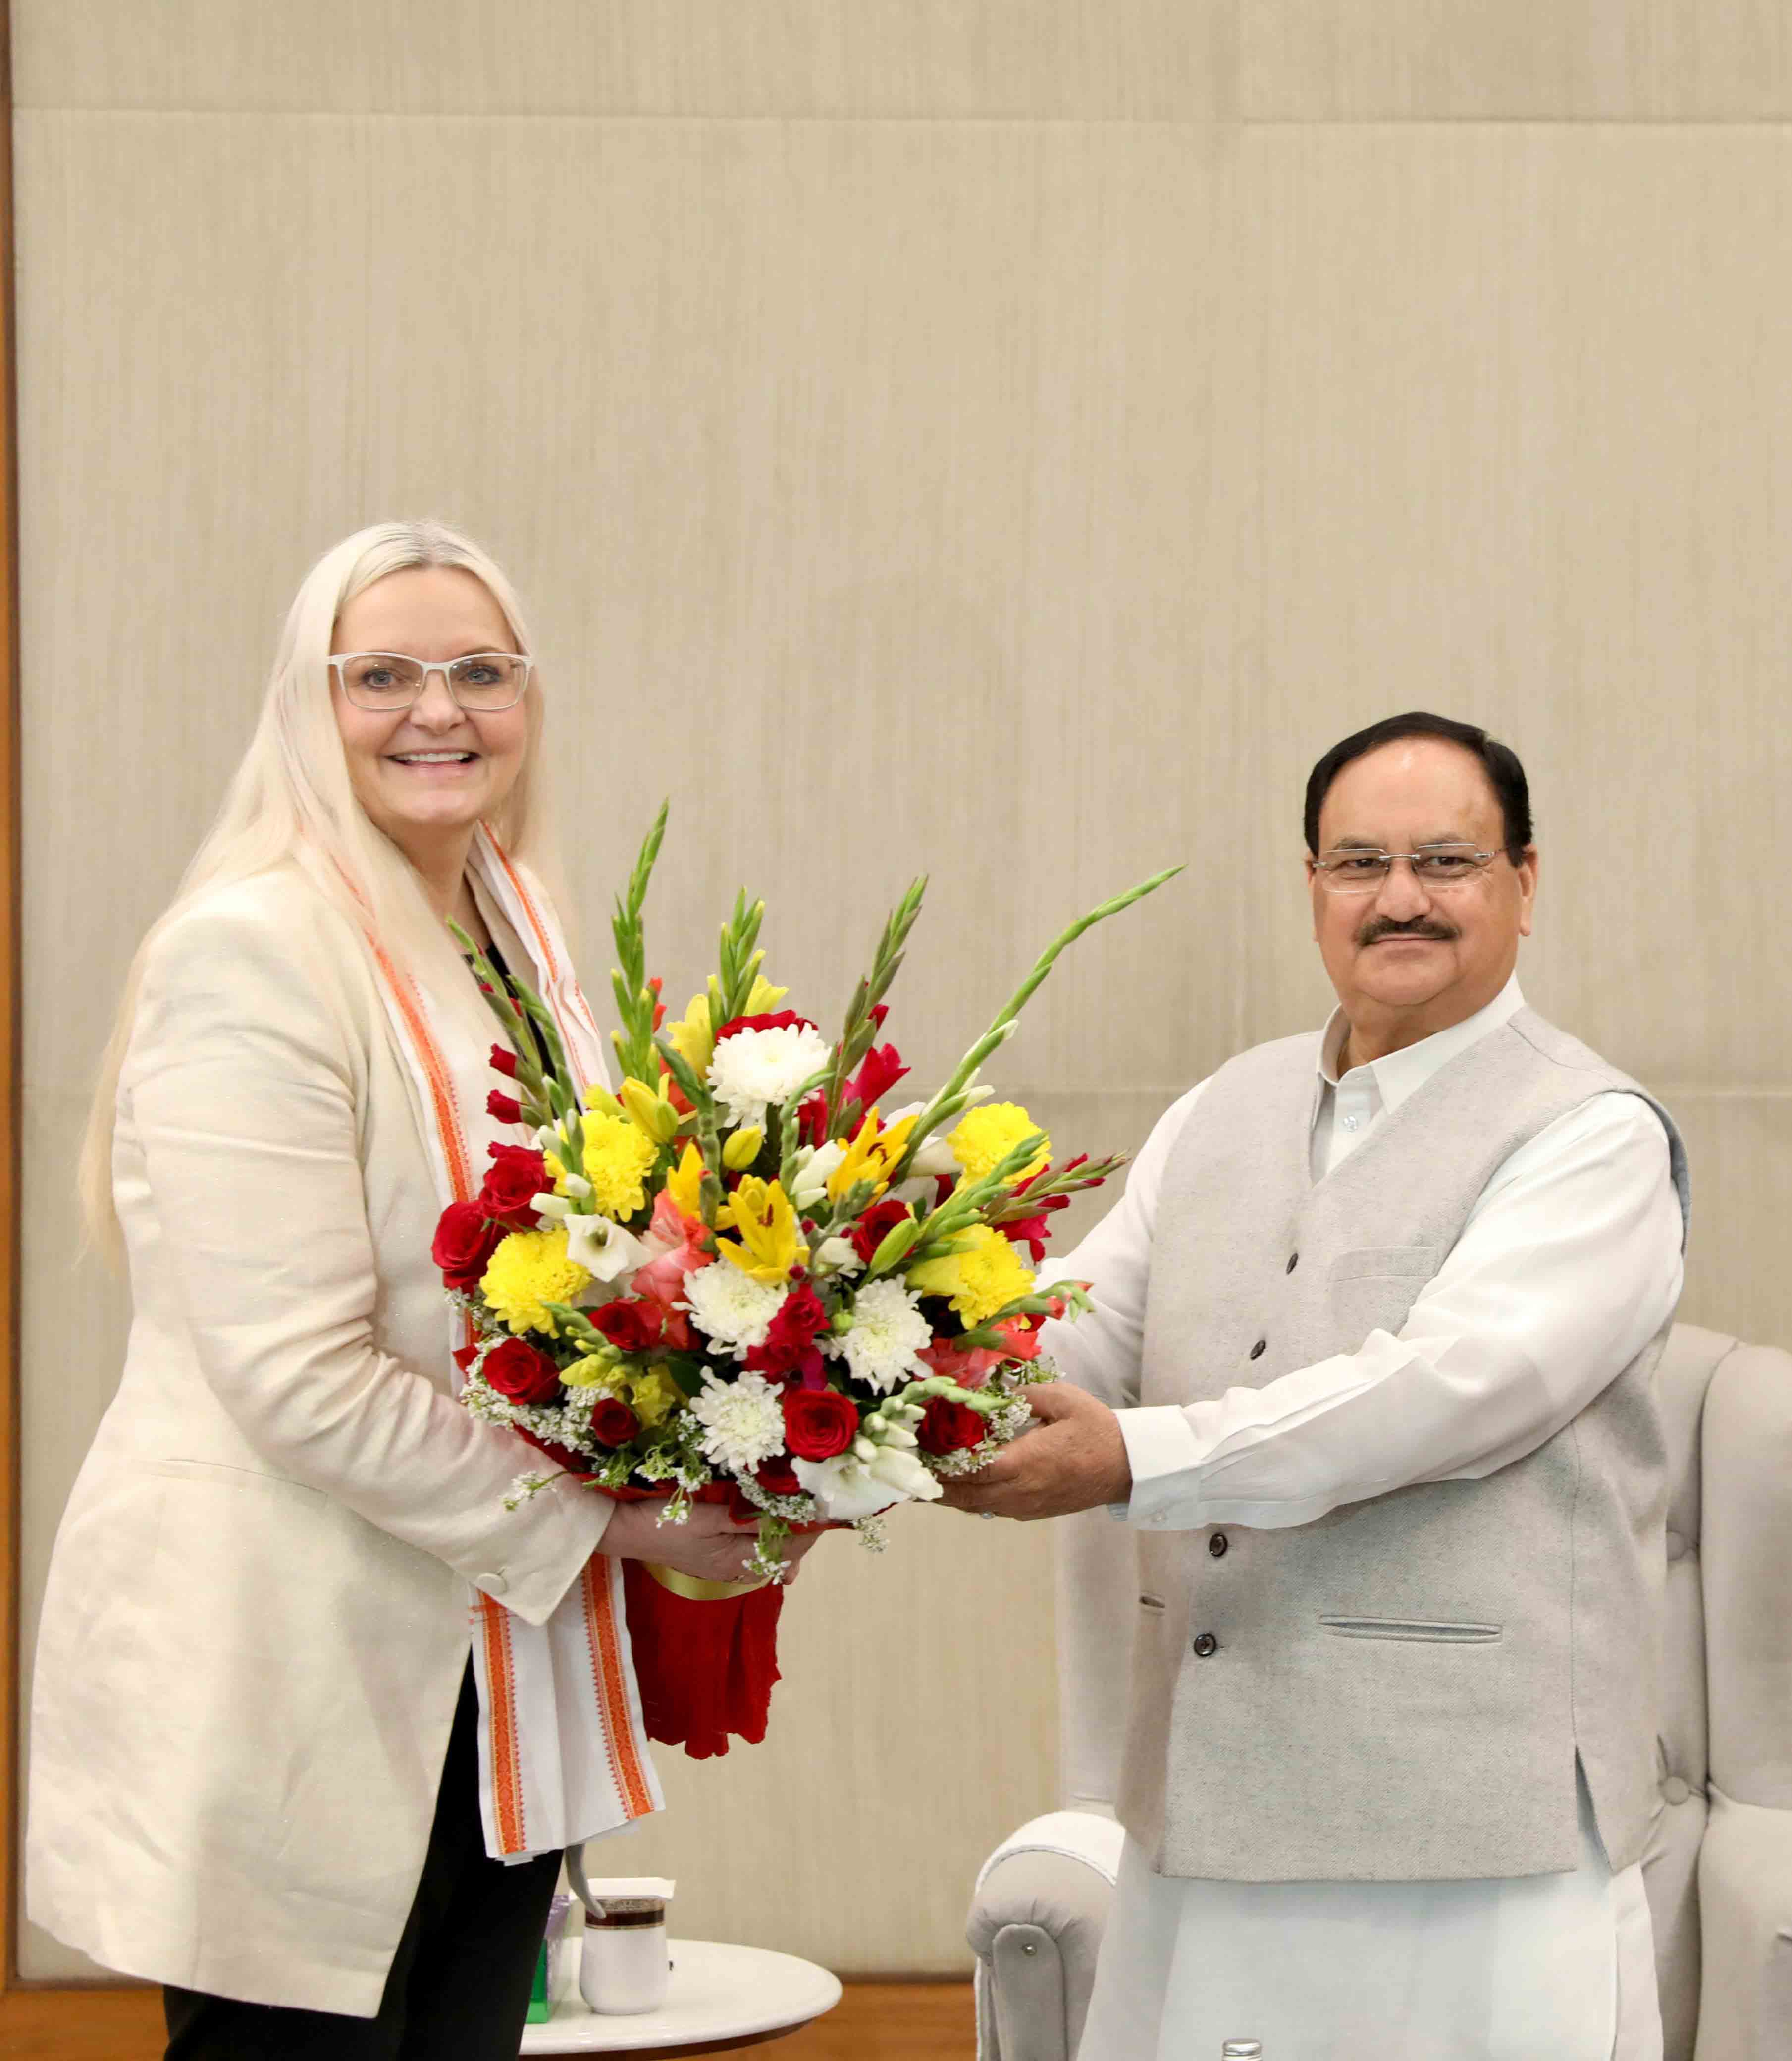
column 1294, row 1261
column 1257, row 1349
column 1216, row 1545
column 1205, row 1645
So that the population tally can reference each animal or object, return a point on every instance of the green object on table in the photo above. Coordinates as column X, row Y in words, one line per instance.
column 541, row 2004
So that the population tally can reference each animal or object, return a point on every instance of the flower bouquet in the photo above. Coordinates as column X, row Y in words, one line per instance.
column 741, row 1276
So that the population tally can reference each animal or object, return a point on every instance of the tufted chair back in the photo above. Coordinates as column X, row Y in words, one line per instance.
column 1718, row 1865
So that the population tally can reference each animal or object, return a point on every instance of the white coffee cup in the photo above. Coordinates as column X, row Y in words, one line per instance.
column 623, row 1965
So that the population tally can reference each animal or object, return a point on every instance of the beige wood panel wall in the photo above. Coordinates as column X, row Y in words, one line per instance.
column 1011, row 441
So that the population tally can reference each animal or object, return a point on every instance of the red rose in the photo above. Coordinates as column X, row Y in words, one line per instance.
column 782, row 1019
column 948, row 1427
column 868, row 1234
column 505, row 1060
column 518, row 1175
column 521, row 1374
column 778, row 1478
column 464, row 1244
column 613, row 1422
column 505, row 1108
column 631, row 1326
column 819, row 1423
column 790, row 1334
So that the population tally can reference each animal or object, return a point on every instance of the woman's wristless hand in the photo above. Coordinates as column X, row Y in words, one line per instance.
column 709, row 1546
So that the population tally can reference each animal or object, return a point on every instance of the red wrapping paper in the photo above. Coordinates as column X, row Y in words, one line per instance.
column 705, row 1669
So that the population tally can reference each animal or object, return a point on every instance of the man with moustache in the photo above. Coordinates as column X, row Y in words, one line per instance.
column 1369, row 1370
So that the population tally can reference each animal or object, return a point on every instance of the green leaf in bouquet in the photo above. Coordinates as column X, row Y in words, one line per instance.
column 501, row 1002
column 790, row 1129
column 740, row 960
column 575, row 1325
column 860, row 1028
column 687, row 1370
column 894, row 1247
column 1060, row 1181
column 634, row 997
column 1008, row 1016
column 967, row 1203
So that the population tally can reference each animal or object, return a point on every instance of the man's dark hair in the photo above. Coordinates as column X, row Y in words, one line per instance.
column 1499, row 762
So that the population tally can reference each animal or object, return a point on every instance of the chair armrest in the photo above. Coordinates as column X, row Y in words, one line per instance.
column 1037, row 1917
column 1745, row 1894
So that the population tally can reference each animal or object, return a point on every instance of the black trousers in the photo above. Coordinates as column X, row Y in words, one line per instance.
column 459, row 1989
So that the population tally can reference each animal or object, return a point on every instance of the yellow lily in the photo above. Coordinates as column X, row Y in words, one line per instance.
column 742, row 1149
column 650, row 1109
column 870, row 1157
column 769, row 1245
column 693, row 1036
column 685, row 1185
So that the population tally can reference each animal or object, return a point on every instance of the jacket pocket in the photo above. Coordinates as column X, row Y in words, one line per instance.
column 226, row 1476
column 1384, row 1262
column 1419, row 1630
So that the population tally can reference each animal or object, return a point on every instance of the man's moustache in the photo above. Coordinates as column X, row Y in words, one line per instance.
column 1379, row 927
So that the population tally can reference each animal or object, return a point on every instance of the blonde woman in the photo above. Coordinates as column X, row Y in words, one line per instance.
column 314, row 1713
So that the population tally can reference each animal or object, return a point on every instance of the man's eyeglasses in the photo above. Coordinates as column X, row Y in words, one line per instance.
column 386, row 681
column 1352, row 871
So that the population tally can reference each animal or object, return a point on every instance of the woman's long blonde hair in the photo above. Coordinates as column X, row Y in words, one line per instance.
column 290, row 800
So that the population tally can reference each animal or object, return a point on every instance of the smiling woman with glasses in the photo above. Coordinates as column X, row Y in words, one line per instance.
column 315, row 1712
column 485, row 681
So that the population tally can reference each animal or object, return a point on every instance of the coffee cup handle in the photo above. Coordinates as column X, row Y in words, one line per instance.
column 580, row 1882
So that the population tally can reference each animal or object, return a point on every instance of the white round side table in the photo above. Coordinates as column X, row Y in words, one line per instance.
column 721, row 1996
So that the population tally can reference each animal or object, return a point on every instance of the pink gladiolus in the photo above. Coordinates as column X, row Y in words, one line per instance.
column 970, row 1367
column 676, row 1242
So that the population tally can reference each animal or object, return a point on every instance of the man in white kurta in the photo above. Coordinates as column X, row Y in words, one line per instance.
column 1565, row 1269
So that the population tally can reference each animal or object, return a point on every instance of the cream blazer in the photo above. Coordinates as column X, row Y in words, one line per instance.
column 258, row 1615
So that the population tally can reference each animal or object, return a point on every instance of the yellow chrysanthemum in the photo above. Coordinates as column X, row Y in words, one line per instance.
column 984, row 1277
column 528, row 1269
column 985, row 1136
column 618, row 1157
column 770, row 1246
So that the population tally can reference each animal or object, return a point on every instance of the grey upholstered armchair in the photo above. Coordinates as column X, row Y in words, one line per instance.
column 1719, row 1863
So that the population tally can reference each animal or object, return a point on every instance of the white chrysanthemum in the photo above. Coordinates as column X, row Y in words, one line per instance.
column 755, row 1070
column 888, row 1333
column 743, row 1421
column 730, row 1308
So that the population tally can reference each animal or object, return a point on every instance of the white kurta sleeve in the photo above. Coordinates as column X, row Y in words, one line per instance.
column 1568, row 1264
column 241, row 1091
column 1100, row 1350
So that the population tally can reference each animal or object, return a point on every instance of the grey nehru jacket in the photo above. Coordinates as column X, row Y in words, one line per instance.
column 1399, row 1691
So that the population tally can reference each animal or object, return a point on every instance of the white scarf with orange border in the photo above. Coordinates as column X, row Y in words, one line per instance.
column 563, row 1752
